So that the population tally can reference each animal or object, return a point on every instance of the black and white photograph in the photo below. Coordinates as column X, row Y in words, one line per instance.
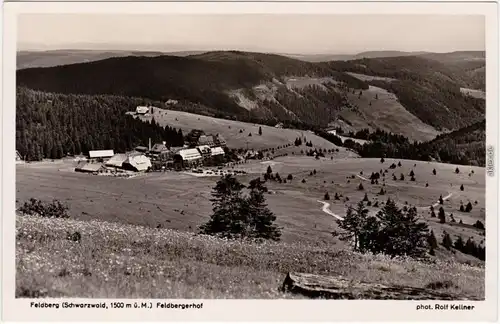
column 252, row 156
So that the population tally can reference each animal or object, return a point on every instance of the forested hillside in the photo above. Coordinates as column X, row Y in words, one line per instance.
column 257, row 87
column 53, row 125
column 466, row 146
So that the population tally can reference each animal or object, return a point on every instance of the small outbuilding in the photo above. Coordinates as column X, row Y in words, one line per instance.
column 89, row 167
column 141, row 110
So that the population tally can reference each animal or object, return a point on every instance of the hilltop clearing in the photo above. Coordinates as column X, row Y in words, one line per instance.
column 474, row 93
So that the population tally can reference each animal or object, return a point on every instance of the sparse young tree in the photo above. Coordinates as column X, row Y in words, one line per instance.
column 462, row 187
column 468, row 208
column 365, row 198
column 434, row 172
column 382, row 191
column 269, row 170
column 327, row 196
column 459, row 243
column 442, row 215
column 441, row 201
column 360, row 187
column 432, row 242
column 457, row 170
column 303, row 180
column 402, row 177
column 447, row 241
column 260, row 130
column 479, row 225
column 290, row 177
column 412, row 174
column 399, row 164
column 337, row 196
column 382, row 160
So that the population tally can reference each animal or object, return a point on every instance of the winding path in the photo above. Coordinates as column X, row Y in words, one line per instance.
column 326, row 209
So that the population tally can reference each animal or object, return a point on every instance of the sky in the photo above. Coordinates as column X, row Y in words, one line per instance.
column 292, row 34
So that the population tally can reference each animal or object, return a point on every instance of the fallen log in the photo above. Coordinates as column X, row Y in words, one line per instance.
column 328, row 287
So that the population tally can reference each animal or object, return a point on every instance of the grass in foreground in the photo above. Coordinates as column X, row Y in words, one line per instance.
column 113, row 260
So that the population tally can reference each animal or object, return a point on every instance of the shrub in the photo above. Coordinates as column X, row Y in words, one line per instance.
column 35, row 207
column 393, row 232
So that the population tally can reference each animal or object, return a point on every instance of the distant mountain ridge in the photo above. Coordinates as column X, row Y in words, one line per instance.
column 48, row 58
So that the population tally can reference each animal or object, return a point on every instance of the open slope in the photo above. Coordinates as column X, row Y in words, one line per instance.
column 181, row 201
column 123, row 261
column 271, row 137
column 377, row 108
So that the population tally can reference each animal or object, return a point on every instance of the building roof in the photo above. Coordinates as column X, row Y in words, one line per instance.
column 88, row 167
column 159, row 148
column 101, row 153
column 139, row 162
column 217, row 151
column 142, row 109
column 220, row 139
column 189, row 154
column 206, row 140
column 117, row 160
column 204, row 149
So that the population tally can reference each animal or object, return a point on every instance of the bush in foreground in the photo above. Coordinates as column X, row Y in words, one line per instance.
column 54, row 209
